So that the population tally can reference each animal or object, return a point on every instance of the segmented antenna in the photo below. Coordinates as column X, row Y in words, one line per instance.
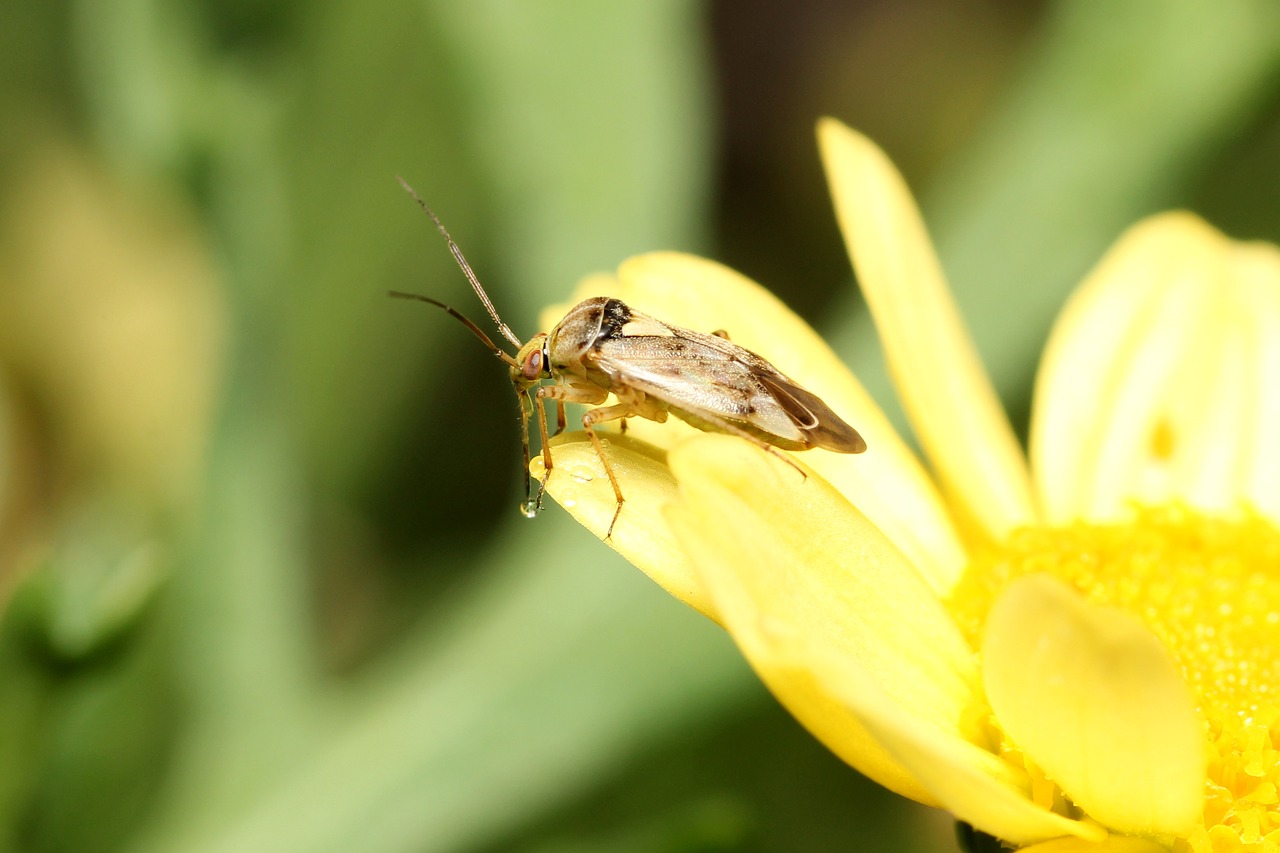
column 466, row 267
column 476, row 330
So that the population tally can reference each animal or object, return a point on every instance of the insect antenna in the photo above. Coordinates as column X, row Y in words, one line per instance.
column 458, row 315
column 466, row 269
column 525, row 397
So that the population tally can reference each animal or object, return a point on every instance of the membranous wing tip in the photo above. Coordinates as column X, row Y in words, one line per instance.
column 821, row 426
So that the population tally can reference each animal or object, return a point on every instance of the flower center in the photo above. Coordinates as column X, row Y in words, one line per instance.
column 1210, row 590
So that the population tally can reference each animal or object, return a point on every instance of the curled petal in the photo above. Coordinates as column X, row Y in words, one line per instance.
column 1093, row 698
column 970, row 782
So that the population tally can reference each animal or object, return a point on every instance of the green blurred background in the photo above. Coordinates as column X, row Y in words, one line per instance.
column 265, row 584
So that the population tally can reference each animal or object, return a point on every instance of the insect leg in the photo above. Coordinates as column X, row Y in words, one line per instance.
column 589, row 420
column 530, row 507
column 562, row 394
column 540, row 404
column 560, row 421
column 732, row 429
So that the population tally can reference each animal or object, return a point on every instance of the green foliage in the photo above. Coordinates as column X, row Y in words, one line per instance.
column 338, row 635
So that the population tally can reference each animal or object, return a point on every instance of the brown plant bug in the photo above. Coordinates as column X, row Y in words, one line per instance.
column 651, row 368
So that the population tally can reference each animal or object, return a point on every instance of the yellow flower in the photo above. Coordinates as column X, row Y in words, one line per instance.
column 1077, row 648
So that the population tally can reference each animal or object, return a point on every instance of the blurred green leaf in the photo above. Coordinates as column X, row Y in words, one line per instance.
column 548, row 665
column 88, row 715
column 106, row 731
column 555, row 139
column 25, row 686
column 485, row 108
column 511, row 706
column 707, row 826
column 92, row 586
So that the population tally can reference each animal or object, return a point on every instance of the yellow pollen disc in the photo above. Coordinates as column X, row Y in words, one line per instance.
column 1210, row 590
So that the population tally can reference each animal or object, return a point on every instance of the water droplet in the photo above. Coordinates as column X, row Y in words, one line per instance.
column 529, row 509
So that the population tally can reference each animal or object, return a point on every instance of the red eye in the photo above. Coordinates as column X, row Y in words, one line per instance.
column 532, row 365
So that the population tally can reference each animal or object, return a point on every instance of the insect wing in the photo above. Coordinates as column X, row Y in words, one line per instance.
column 705, row 379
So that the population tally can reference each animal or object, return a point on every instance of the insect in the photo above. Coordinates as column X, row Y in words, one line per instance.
column 602, row 347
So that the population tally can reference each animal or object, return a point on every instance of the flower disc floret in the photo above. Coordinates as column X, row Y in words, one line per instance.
column 1209, row 589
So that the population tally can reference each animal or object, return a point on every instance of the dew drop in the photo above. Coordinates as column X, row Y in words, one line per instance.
column 529, row 509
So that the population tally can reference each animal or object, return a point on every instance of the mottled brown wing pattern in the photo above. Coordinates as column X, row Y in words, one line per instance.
column 706, row 380
column 823, row 427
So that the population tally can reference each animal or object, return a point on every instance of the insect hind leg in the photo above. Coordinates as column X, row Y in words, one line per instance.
column 562, row 394
column 733, row 429
column 589, row 420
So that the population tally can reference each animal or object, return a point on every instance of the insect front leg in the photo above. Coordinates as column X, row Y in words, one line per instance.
column 641, row 404
column 527, row 404
column 561, row 394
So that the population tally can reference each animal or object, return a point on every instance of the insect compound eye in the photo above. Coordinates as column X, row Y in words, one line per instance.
column 532, row 368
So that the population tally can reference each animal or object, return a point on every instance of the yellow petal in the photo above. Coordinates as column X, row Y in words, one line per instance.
column 784, row 554
column 1257, row 270
column 1111, row 844
column 886, row 482
column 1216, row 406
column 1093, row 698
column 1127, row 390
column 968, row 781
column 641, row 534
column 942, row 383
